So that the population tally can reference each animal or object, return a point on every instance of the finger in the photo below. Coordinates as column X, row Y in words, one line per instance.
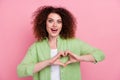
column 59, row 54
column 62, row 53
column 68, row 62
column 66, row 53
column 54, row 59
column 74, row 57
column 74, row 61
column 55, row 62
column 59, row 63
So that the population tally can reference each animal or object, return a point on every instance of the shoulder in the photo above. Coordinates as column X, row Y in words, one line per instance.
column 37, row 43
column 72, row 41
column 76, row 40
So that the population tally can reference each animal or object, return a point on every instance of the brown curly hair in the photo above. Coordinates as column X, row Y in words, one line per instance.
column 40, row 17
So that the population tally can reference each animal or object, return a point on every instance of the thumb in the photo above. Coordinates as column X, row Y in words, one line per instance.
column 68, row 62
column 55, row 58
column 61, row 64
column 74, row 56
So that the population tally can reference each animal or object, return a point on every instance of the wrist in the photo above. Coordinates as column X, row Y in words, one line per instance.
column 49, row 62
column 80, row 58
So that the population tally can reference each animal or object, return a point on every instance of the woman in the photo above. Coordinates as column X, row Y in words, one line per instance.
column 56, row 55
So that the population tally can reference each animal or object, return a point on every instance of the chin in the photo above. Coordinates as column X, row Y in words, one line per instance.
column 54, row 35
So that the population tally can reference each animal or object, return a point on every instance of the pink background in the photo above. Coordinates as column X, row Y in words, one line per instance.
column 98, row 24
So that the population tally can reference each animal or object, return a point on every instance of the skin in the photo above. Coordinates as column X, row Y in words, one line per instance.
column 53, row 27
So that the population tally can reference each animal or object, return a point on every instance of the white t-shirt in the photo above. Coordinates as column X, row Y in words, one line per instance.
column 55, row 69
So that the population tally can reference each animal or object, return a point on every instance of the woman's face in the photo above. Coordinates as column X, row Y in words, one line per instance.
column 53, row 24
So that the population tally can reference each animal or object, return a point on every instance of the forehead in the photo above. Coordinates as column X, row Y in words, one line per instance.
column 54, row 16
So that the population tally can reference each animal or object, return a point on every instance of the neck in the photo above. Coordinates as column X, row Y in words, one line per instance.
column 52, row 42
column 52, row 39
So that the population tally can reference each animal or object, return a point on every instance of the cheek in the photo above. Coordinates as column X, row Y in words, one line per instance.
column 48, row 26
column 60, row 26
column 48, row 29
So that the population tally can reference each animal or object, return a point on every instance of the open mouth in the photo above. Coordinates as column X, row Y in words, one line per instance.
column 54, row 30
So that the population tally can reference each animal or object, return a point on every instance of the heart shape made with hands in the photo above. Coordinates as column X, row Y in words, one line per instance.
column 72, row 58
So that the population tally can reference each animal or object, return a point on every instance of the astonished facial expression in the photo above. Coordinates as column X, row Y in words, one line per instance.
column 53, row 24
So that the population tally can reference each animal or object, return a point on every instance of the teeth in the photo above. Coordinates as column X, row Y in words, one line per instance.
column 54, row 29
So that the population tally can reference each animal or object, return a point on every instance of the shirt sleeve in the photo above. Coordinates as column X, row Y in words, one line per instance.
column 25, row 68
column 85, row 48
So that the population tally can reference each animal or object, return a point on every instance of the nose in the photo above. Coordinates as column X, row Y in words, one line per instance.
column 55, row 24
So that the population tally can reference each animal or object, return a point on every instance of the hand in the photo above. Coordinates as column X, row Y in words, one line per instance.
column 58, row 62
column 55, row 60
column 69, row 53
column 72, row 57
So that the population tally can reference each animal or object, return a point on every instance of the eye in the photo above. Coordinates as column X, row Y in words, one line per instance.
column 59, row 21
column 50, row 20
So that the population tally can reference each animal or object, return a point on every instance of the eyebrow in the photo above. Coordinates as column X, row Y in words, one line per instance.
column 52, row 18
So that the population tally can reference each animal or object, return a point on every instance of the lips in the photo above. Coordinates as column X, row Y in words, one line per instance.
column 54, row 30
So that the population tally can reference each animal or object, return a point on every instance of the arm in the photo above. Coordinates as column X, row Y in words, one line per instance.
column 26, row 67
column 55, row 61
column 41, row 65
column 87, row 58
column 89, row 53
column 30, row 64
column 83, row 58
column 75, row 58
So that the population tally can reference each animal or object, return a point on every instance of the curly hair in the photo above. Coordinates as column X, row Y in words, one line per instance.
column 40, row 17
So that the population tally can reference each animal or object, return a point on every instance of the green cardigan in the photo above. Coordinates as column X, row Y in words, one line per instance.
column 40, row 51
